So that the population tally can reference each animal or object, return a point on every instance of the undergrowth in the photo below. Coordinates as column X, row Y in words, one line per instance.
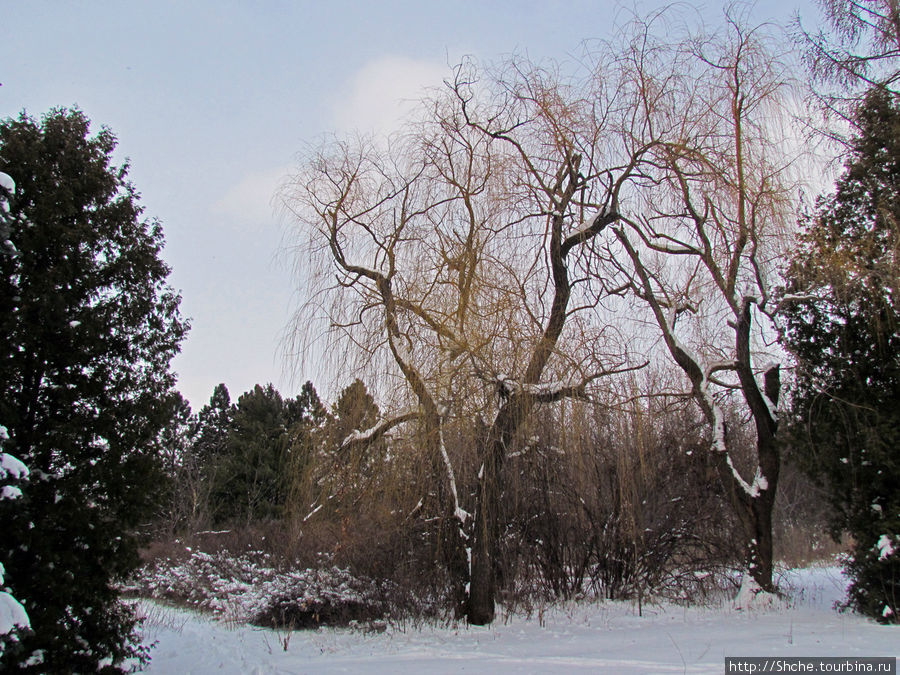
column 249, row 588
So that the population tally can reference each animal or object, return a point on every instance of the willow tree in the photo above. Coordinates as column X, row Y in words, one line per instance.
column 455, row 259
column 857, row 52
column 702, row 253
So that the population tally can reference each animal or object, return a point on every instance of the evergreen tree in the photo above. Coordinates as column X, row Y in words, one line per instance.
column 88, row 327
column 355, row 410
column 249, row 483
column 348, row 466
column 176, row 438
column 213, row 425
column 306, row 419
column 845, row 338
column 13, row 617
column 306, row 409
column 248, row 453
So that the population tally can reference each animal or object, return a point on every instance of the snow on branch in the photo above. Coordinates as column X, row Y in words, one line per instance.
column 886, row 546
column 372, row 434
column 588, row 228
column 752, row 490
column 771, row 382
column 460, row 513
column 9, row 185
column 12, row 467
column 542, row 392
column 794, row 297
column 12, row 613
column 588, row 224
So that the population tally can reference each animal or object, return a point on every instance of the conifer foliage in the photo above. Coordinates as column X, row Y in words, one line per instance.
column 844, row 333
column 88, row 327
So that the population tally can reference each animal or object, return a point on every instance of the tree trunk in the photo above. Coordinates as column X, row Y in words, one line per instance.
column 758, row 507
column 485, row 538
column 755, row 517
column 486, row 533
column 452, row 539
column 760, row 550
column 457, row 564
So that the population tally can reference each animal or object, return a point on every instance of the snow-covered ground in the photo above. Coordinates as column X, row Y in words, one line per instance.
column 597, row 637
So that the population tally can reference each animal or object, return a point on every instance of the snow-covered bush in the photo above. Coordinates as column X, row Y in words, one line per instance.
column 249, row 588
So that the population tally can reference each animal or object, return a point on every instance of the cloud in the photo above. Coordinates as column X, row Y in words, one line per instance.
column 250, row 198
column 384, row 92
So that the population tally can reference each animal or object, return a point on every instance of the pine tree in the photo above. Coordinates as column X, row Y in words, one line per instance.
column 306, row 418
column 13, row 617
column 213, row 425
column 846, row 341
column 177, row 437
column 249, row 482
column 349, row 466
column 306, row 409
column 88, row 327
column 355, row 410
column 249, row 453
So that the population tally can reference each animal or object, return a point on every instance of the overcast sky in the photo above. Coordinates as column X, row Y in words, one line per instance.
column 212, row 100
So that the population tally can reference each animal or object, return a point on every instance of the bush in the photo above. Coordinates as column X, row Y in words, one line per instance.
column 249, row 588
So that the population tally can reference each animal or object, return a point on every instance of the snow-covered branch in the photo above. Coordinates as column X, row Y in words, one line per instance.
column 461, row 514
column 589, row 228
column 372, row 434
column 542, row 392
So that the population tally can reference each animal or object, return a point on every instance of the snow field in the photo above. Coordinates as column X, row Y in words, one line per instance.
column 591, row 637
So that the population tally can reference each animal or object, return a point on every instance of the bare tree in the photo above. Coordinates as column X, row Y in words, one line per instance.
column 456, row 259
column 462, row 263
column 860, row 51
column 704, row 251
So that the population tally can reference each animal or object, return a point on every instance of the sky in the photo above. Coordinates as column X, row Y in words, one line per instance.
column 213, row 100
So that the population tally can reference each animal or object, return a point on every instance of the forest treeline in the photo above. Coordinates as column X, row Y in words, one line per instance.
column 603, row 501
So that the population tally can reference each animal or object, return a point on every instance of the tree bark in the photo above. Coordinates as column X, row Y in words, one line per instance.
column 486, row 533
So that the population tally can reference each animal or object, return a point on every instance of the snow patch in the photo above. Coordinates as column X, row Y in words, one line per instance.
column 751, row 596
column 885, row 547
column 10, row 492
column 607, row 637
column 12, row 467
column 12, row 614
column 585, row 226
column 242, row 588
